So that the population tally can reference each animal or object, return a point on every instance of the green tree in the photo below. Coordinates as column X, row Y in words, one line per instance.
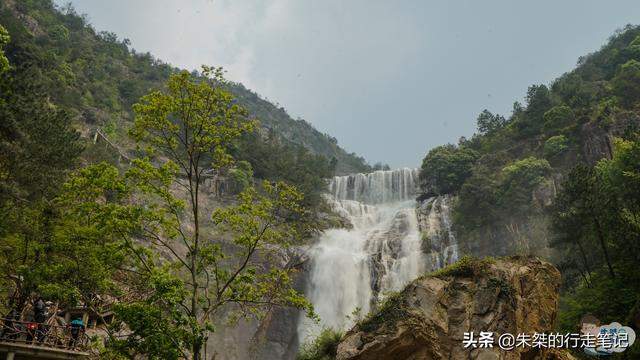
column 478, row 204
column 518, row 180
column 445, row 168
column 36, row 138
column 558, row 118
column 323, row 347
column 38, row 147
column 569, row 208
column 272, row 160
column 61, row 248
column 595, row 222
column 489, row 123
column 626, row 83
column 555, row 146
column 4, row 40
column 241, row 176
column 620, row 177
column 580, row 212
column 530, row 121
column 190, row 127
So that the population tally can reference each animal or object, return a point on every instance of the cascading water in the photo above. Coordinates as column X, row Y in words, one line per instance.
column 391, row 242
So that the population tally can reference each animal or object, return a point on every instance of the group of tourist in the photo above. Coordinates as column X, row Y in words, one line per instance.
column 42, row 324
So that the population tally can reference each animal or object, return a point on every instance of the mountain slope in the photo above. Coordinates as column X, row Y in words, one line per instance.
column 559, row 178
column 98, row 77
column 508, row 172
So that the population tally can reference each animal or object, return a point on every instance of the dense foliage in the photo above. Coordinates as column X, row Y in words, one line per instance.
column 108, row 232
column 37, row 149
column 98, row 77
column 4, row 39
column 549, row 180
column 79, row 227
column 323, row 347
column 445, row 168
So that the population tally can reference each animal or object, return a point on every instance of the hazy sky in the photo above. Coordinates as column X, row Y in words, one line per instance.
column 388, row 79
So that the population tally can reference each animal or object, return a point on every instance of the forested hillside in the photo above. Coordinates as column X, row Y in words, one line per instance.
column 559, row 178
column 169, row 198
column 97, row 78
column 137, row 228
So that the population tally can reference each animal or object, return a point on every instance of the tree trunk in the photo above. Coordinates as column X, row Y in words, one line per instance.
column 197, row 346
column 604, row 248
column 584, row 257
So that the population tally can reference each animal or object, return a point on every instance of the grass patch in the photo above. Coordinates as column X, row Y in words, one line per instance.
column 390, row 310
column 324, row 347
column 467, row 266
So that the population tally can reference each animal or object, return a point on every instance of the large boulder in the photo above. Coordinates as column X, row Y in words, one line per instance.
column 428, row 319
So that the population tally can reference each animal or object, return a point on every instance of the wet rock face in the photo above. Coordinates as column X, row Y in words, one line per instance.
column 438, row 240
column 429, row 318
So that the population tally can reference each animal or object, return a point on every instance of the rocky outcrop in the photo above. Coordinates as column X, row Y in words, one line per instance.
column 597, row 136
column 434, row 223
column 428, row 319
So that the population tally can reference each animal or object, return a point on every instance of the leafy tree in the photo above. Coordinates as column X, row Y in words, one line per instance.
column 626, row 83
column 4, row 40
column 555, row 146
column 38, row 147
column 606, row 110
column 445, row 168
column 60, row 251
column 595, row 218
column 580, row 215
column 519, row 179
column 190, row 127
column 488, row 123
column 85, row 254
column 37, row 141
column 570, row 205
column 324, row 347
column 620, row 177
column 273, row 160
column 557, row 118
column 577, row 92
column 478, row 201
column 241, row 176
column 530, row 120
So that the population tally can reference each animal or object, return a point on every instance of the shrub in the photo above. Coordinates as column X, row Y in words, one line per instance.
column 324, row 347
column 390, row 310
column 519, row 179
column 555, row 145
column 240, row 176
column 557, row 118
column 466, row 266
column 626, row 83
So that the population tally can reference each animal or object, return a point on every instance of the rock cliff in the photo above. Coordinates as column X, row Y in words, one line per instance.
column 428, row 319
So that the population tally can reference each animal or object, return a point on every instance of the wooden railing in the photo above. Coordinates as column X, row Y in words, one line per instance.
column 65, row 337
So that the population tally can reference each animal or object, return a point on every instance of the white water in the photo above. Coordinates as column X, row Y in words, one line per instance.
column 437, row 228
column 352, row 269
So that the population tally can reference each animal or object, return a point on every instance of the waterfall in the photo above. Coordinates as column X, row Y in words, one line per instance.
column 392, row 241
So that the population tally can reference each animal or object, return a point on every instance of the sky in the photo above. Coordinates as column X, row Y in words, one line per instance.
column 389, row 79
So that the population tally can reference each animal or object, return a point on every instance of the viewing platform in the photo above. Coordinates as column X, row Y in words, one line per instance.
column 29, row 340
